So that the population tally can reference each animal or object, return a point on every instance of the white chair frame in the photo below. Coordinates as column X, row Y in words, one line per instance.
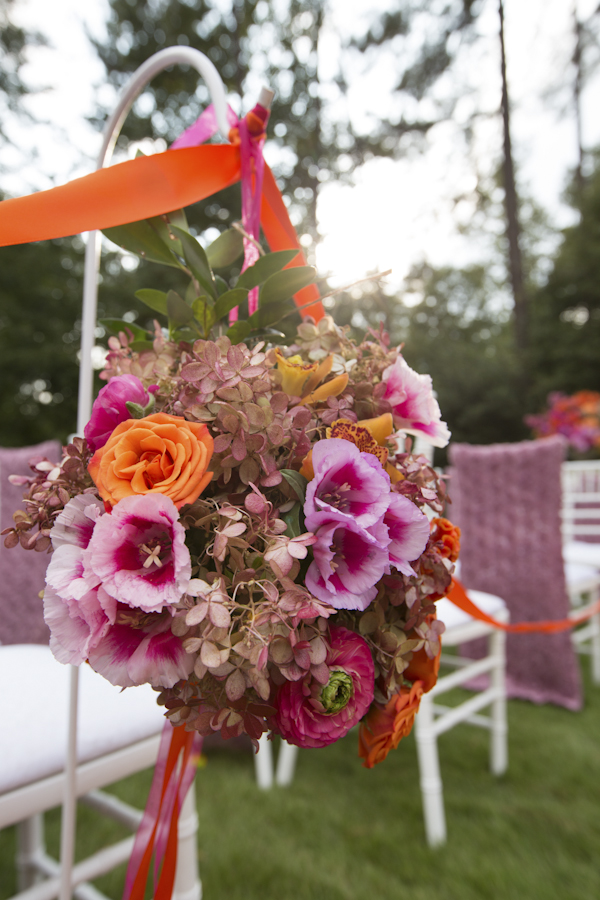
column 27, row 803
column 434, row 719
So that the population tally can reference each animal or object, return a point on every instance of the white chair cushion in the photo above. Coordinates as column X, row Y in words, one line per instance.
column 34, row 715
column 582, row 553
column 580, row 576
column 453, row 617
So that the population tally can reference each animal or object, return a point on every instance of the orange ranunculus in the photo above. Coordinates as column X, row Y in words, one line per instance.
column 157, row 454
column 383, row 729
column 448, row 535
column 423, row 669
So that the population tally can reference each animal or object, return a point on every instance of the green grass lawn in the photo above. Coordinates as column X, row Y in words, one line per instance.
column 341, row 832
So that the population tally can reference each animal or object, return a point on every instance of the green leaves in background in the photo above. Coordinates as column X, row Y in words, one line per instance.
column 195, row 257
column 264, row 267
column 283, row 285
column 117, row 325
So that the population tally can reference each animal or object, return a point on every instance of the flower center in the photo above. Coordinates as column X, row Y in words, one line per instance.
column 155, row 552
column 338, row 498
column 337, row 692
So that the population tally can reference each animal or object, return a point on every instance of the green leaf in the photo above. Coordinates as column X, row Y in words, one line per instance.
column 294, row 521
column 178, row 311
column 229, row 300
column 196, row 259
column 221, row 284
column 156, row 300
column 148, row 238
column 226, row 249
column 140, row 346
column 264, row 267
column 117, row 325
column 283, row 285
column 270, row 314
column 204, row 313
column 296, row 481
column 239, row 331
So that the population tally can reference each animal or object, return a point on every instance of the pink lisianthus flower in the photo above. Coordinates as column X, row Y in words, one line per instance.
column 314, row 714
column 138, row 553
column 346, row 481
column 110, row 408
column 414, row 408
column 408, row 530
column 348, row 560
column 77, row 609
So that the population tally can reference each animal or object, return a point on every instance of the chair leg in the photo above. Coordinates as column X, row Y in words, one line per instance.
column 429, row 770
column 499, row 730
column 187, row 881
column 286, row 764
column 595, row 649
column 263, row 763
column 30, row 844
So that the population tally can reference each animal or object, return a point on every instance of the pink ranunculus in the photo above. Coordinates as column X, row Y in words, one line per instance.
column 140, row 652
column 408, row 530
column 138, row 553
column 348, row 560
column 346, row 481
column 110, row 409
column 414, row 408
column 311, row 714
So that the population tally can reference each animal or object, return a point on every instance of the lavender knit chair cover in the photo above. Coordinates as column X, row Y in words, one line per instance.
column 21, row 571
column 507, row 500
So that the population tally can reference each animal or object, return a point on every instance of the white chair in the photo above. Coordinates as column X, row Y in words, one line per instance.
column 434, row 719
column 580, row 515
column 581, row 512
column 118, row 734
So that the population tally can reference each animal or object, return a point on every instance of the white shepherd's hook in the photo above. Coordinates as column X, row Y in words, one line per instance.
column 162, row 60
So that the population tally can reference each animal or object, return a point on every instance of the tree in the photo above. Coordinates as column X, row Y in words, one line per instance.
column 566, row 310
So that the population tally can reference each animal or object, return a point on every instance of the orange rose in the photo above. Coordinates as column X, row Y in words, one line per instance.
column 383, row 729
column 448, row 535
column 157, row 454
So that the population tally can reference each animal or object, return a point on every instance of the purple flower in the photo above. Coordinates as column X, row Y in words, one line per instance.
column 110, row 409
column 408, row 530
column 314, row 714
column 138, row 553
column 347, row 482
column 348, row 560
column 414, row 408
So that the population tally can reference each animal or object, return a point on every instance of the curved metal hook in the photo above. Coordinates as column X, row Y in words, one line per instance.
column 155, row 64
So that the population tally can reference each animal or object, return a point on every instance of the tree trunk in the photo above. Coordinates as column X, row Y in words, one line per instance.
column 513, row 230
column 577, row 28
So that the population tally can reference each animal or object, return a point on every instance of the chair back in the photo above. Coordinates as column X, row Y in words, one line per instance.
column 22, row 572
column 508, row 502
column 581, row 501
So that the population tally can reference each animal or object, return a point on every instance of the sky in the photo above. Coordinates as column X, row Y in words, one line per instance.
column 397, row 213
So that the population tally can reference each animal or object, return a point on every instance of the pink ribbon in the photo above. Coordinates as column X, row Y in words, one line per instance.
column 253, row 166
column 157, row 820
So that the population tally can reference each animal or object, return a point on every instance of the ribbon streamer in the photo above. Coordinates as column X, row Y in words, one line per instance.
column 150, row 186
column 250, row 134
column 459, row 597
column 157, row 834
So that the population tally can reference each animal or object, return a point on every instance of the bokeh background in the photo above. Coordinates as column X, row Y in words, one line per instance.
column 398, row 143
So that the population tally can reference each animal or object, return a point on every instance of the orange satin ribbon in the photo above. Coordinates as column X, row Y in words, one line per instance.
column 144, row 187
column 459, row 597
column 180, row 751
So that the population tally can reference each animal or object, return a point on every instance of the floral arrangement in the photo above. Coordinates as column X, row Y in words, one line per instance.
column 243, row 525
column 576, row 417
